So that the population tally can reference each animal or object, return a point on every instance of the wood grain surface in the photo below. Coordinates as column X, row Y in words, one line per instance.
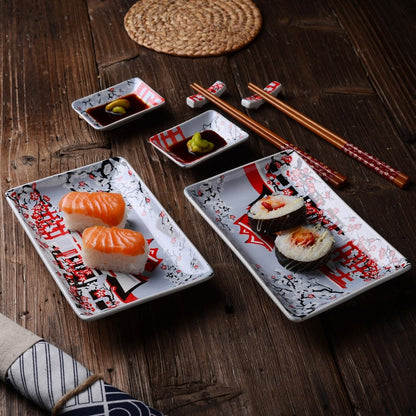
column 223, row 347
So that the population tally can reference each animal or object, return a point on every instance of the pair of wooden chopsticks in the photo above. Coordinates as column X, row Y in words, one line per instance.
column 382, row 168
column 331, row 176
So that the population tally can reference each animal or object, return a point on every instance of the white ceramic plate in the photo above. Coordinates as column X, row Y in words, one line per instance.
column 209, row 120
column 134, row 86
column 174, row 263
column 360, row 260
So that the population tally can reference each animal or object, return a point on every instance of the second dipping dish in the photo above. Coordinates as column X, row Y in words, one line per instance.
column 212, row 126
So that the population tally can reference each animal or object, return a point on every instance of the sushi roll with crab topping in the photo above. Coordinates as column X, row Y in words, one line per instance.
column 276, row 212
column 304, row 248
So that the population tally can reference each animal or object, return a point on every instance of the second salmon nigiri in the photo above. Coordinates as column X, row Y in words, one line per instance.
column 116, row 249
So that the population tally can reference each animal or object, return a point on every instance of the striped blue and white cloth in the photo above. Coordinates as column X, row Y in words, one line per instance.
column 52, row 379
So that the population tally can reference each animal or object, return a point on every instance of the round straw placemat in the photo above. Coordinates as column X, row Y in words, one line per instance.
column 193, row 27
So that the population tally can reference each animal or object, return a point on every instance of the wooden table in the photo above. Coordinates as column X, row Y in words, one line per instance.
column 222, row 347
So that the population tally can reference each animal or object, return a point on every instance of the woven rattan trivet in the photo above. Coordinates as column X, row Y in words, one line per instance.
column 193, row 27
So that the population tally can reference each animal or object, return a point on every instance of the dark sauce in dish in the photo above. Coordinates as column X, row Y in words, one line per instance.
column 105, row 118
column 180, row 149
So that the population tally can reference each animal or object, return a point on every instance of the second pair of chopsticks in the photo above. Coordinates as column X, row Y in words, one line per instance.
column 382, row 168
column 328, row 174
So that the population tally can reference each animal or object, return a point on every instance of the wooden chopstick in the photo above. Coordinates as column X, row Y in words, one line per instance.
column 331, row 176
column 382, row 168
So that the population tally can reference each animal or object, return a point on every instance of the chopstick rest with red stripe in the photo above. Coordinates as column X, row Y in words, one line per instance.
column 255, row 101
column 198, row 100
column 55, row 381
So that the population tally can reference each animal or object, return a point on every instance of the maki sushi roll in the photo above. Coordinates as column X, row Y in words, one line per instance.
column 304, row 248
column 276, row 212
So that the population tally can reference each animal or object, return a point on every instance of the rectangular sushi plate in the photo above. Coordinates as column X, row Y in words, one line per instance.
column 361, row 258
column 173, row 264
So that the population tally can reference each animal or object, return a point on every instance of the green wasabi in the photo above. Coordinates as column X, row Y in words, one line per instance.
column 198, row 145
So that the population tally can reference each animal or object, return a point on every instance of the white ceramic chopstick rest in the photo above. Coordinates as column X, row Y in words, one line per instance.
column 198, row 100
column 255, row 101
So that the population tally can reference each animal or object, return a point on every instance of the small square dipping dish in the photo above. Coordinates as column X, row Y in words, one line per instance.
column 134, row 86
column 210, row 120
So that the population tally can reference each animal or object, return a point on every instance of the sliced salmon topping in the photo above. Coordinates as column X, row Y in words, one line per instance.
column 114, row 240
column 108, row 206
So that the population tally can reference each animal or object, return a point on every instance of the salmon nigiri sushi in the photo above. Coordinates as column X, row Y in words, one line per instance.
column 85, row 209
column 117, row 249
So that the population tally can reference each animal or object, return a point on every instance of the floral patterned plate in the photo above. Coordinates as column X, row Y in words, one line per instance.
column 174, row 263
column 134, row 86
column 361, row 258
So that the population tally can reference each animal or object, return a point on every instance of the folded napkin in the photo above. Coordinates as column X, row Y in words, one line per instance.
column 55, row 381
